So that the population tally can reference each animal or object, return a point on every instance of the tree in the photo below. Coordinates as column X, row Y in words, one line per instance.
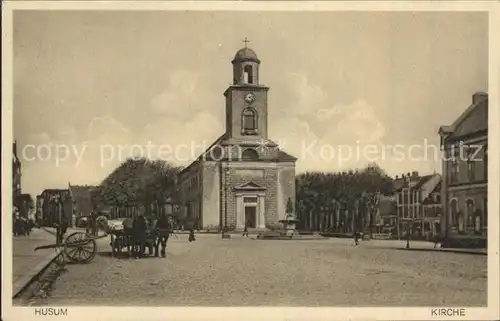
column 139, row 182
column 322, row 198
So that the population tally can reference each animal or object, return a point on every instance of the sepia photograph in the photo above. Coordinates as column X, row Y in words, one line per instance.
column 250, row 158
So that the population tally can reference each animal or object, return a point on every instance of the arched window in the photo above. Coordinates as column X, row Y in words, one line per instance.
column 248, row 74
column 249, row 120
column 250, row 155
column 453, row 211
column 477, row 221
column 470, row 212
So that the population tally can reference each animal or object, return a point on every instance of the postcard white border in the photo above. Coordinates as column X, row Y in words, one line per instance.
column 135, row 313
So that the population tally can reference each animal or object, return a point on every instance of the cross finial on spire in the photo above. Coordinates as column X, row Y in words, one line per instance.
column 246, row 41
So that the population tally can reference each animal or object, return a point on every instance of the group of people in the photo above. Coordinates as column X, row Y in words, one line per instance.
column 22, row 226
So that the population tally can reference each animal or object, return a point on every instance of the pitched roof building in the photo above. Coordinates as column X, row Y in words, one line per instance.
column 417, row 206
column 465, row 171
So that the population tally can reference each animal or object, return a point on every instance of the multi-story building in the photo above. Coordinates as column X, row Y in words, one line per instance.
column 82, row 200
column 418, row 205
column 57, row 205
column 387, row 211
column 465, row 172
column 16, row 176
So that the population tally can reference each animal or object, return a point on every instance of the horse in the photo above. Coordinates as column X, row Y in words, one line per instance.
column 164, row 227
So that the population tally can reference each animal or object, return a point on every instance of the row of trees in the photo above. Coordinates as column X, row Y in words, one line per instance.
column 342, row 201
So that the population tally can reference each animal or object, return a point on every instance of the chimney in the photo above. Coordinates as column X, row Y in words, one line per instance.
column 414, row 174
column 479, row 96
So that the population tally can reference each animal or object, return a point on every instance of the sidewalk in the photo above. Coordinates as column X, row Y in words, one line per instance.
column 451, row 250
column 26, row 263
column 414, row 246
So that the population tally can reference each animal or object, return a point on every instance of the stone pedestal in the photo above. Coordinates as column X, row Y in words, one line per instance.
column 289, row 228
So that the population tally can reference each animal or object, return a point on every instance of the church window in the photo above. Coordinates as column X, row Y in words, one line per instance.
column 248, row 74
column 249, row 120
column 250, row 155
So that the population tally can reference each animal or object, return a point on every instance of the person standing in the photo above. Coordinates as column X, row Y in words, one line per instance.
column 356, row 238
column 88, row 225
column 139, row 234
column 191, row 235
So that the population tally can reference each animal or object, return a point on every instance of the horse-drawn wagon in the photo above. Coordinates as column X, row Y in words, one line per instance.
column 80, row 247
column 123, row 234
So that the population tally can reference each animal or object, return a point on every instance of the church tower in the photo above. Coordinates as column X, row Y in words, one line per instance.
column 243, row 178
column 246, row 100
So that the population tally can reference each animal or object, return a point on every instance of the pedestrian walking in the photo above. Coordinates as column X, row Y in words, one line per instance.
column 191, row 235
column 356, row 238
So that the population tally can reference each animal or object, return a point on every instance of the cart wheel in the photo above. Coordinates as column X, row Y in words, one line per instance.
column 80, row 248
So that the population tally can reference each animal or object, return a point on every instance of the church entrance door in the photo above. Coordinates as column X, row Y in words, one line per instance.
column 251, row 216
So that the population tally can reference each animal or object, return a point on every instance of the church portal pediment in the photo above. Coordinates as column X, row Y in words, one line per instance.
column 249, row 186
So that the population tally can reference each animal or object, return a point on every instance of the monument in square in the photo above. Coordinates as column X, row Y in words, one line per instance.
column 243, row 178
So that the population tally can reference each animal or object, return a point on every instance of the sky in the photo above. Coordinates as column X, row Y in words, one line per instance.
column 92, row 88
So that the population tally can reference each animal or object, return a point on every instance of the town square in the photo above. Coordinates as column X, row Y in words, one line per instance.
column 318, row 177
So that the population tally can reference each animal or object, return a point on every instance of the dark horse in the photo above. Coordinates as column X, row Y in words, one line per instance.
column 164, row 227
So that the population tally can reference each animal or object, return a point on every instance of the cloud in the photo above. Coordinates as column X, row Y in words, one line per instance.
column 107, row 130
column 320, row 133
column 183, row 96
column 186, row 140
column 354, row 122
column 38, row 138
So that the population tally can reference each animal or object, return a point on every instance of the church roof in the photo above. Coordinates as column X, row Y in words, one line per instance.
column 206, row 155
column 246, row 54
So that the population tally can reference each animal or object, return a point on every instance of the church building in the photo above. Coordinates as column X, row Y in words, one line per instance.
column 243, row 177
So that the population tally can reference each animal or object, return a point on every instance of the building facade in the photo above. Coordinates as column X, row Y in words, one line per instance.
column 418, row 205
column 387, row 211
column 465, row 172
column 243, row 178
column 56, row 205
column 16, row 176
column 82, row 201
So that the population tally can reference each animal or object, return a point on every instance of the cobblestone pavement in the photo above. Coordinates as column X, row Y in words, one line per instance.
column 246, row 272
